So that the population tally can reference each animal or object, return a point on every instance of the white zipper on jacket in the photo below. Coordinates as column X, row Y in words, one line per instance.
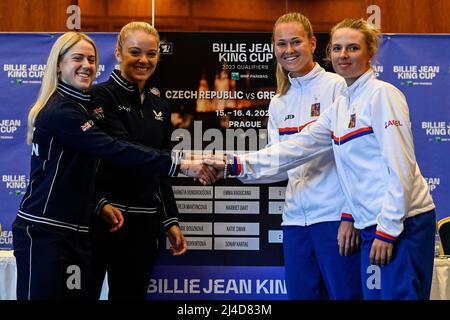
column 344, row 165
column 301, row 178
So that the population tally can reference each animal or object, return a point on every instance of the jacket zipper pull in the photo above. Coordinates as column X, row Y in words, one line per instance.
column 141, row 109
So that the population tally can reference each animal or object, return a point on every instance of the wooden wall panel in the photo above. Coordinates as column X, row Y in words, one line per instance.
column 91, row 8
column 171, row 8
column 414, row 16
column 236, row 15
column 132, row 8
column 33, row 15
column 323, row 14
column 256, row 10
column 143, row 8
column 397, row 16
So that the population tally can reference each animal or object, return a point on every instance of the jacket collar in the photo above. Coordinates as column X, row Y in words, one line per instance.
column 76, row 94
column 355, row 87
column 125, row 84
column 297, row 82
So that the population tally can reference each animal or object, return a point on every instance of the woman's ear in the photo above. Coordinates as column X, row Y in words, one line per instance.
column 371, row 55
column 313, row 44
column 118, row 55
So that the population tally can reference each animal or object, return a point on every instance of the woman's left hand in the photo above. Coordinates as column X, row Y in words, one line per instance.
column 178, row 245
column 113, row 217
column 348, row 238
column 381, row 252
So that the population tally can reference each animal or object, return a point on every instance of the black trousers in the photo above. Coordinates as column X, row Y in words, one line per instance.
column 128, row 256
column 51, row 264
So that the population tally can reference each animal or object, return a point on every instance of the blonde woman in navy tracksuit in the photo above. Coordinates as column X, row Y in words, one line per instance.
column 134, row 113
column 51, row 230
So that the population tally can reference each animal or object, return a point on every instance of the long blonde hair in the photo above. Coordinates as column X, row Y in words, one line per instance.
column 283, row 83
column 50, row 78
column 135, row 26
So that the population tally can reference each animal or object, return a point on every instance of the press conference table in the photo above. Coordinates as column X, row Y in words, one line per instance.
column 440, row 289
column 8, row 275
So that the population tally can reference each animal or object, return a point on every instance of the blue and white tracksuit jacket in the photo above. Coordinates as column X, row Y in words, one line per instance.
column 369, row 130
column 313, row 193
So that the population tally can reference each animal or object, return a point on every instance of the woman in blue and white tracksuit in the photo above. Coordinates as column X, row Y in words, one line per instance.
column 369, row 130
column 321, row 253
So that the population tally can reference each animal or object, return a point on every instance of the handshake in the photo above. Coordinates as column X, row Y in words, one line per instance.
column 207, row 169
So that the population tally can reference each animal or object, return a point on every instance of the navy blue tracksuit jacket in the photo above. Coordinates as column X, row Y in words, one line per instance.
column 51, row 240
column 66, row 148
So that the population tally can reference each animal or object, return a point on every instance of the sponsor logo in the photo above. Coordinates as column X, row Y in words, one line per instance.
column 9, row 127
column 6, row 238
column 416, row 75
column 392, row 123
column 438, row 130
column 433, row 182
column 254, row 76
column 127, row 109
column 166, row 48
column 158, row 115
column 32, row 73
column 378, row 70
column 289, row 116
column 16, row 184
column 241, row 52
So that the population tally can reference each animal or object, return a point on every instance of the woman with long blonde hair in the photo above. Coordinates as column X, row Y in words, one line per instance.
column 51, row 230
column 318, row 236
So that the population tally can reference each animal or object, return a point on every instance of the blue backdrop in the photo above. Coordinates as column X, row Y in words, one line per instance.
column 417, row 64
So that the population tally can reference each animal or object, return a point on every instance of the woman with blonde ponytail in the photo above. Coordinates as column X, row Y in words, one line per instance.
column 148, row 122
column 368, row 129
column 51, row 231
column 321, row 250
column 318, row 239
